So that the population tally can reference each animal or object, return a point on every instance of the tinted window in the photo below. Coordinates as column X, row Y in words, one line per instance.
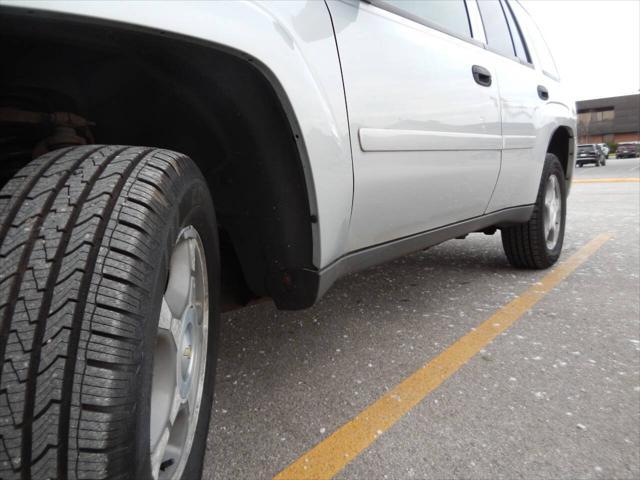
column 448, row 14
column 495, row 27
column 516, row 35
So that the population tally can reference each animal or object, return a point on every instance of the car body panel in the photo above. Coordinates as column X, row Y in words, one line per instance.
column 425, row 136
column 305, row 70
column 519, row 85
column 397, row 139
column 520, row 111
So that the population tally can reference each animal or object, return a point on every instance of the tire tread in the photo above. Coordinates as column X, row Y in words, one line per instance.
column 76, row 243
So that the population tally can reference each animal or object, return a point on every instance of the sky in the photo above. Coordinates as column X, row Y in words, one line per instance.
column 595, row 43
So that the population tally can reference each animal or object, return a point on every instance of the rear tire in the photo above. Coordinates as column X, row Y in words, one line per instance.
column 86, row 238
column 528, row 245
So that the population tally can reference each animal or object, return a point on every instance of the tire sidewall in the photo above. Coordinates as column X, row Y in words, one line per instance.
column 193, row 207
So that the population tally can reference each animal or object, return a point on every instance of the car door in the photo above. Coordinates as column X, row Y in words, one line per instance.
column 423, row 113
column 521, row 96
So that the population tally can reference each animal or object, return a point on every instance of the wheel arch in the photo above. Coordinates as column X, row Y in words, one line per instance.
column 221, row 106
column 562, row 145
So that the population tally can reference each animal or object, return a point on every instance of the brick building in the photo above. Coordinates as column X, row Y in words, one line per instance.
column 613, row 119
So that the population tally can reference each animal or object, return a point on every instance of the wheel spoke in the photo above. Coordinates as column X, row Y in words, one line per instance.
column 552, row 224
column 546, row 221
column 175, row 407
column 192, row 290
column 548, row 195
column 158, row 453
column 172, row 453
column 178, row 289
column 166, row 317
column 199, row 364
column 168, row 325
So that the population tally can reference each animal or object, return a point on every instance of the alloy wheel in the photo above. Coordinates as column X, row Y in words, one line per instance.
column 179, row 358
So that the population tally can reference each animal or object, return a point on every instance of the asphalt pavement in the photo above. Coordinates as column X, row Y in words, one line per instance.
column 555, row 395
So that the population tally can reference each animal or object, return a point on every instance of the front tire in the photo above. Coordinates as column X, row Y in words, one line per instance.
column 87, row 241
column 537, row 243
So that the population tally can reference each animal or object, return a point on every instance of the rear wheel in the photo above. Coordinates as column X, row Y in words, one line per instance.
column 537, row 243
column 108, row 298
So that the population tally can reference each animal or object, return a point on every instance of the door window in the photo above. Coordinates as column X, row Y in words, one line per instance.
column 450, row 15
column 495, row 27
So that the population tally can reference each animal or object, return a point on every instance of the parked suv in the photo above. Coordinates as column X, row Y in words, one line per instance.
column 605, row 149
column 628, row 150
column 281, row 146
column 590, row 153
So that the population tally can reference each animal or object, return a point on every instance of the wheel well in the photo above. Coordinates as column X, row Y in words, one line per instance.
column 560, row 145
column 150, row 88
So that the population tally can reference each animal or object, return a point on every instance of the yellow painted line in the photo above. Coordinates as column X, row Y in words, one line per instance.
column 607, row 180
column 332, row 454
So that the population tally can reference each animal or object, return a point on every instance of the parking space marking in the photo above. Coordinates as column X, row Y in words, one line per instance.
column 607, row 180
column 333, row 453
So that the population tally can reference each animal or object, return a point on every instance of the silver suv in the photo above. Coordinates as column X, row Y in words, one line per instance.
column 163, row 162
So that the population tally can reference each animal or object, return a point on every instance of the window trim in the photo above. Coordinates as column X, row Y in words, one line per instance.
column 384, row 5
column 531, row 24
column 527, row 51
column 476, row 21
column 513, row 57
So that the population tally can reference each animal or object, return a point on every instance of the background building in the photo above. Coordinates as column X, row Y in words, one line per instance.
column 613, row 119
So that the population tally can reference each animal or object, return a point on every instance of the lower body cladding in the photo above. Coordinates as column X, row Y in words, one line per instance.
column 361, row 259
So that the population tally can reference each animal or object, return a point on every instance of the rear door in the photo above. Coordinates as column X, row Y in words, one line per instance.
column 521, row 96
column 423, row 112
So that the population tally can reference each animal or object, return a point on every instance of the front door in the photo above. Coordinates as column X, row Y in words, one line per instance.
column 424, row 116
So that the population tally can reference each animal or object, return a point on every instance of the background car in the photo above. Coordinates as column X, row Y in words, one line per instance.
column 628, row 150
column 605, row 149
column 590, row 153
